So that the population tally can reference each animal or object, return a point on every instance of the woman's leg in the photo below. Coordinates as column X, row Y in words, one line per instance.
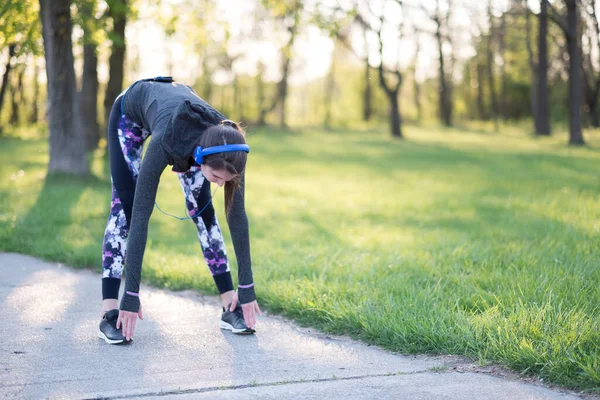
column 197, row 196
column 125, row 144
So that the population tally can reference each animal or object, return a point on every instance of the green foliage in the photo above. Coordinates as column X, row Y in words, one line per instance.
column 283, row 8
column 20, row 25
column 93, row 24
column 451, row 242
column 517, row 69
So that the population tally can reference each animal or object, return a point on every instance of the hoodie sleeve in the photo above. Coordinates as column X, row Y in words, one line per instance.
column 238, row 227
column 153, row 164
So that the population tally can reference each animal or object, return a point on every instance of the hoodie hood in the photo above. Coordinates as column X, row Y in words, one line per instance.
column 188, row 123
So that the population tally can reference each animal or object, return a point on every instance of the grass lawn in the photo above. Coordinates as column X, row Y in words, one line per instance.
column 470, row 243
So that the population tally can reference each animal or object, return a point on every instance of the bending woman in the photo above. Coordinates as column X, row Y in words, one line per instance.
column 184, row 128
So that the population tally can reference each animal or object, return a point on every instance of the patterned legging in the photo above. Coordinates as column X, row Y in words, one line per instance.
column 125, row 145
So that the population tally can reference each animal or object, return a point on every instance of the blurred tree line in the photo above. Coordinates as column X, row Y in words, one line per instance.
column 391, row 60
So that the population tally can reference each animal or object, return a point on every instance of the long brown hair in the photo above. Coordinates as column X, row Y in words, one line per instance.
column 234, row 162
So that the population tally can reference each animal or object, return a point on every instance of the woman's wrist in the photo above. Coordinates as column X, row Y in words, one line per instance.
column 246, row 293
column 130, row 302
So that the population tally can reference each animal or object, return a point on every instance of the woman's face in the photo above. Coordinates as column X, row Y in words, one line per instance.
column 218, row 176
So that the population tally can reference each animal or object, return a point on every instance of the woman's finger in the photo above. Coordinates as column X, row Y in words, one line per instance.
column 119, row 320
column 128, row 325
column 132, row 328
column 234, row 301
column 124, row 325
column 249, row 317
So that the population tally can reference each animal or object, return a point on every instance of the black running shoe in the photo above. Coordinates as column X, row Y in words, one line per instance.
column 108, row 329
column 234, row 321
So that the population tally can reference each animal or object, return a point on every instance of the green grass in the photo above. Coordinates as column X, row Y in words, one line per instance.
column 450, row 242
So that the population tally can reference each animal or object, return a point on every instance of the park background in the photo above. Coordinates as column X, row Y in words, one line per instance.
column 423, row 175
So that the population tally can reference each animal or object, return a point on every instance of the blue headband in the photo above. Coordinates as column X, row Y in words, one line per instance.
column 200, row 153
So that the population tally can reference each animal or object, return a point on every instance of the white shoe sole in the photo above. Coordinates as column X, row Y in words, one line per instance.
column 229, row 327
column 102, row 336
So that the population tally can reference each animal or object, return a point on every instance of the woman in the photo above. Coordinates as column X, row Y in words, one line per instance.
column 184, row 128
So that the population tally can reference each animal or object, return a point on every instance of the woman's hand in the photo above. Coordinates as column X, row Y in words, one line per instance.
column 127, row 320
column 250, row 310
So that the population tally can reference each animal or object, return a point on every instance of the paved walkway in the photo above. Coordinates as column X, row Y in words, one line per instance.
column 49, row 349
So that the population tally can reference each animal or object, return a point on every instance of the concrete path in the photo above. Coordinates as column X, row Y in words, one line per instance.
column 49, row 349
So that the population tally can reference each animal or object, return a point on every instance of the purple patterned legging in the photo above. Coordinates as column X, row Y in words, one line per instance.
column 125, row 164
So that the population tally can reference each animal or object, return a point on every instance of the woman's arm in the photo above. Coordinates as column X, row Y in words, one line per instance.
column 153, row 164
column 238, row 227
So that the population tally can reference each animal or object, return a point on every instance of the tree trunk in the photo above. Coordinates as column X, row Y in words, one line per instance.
column 492, row 83
column 368, row 92
column 594, row 118
column 13, row 116
column 534, row 100
column 237, row 104
column 416, row 85
column 542, row 113
column 490, row 69
column 34, row 116
column 207, row 83
column 395, row 121
column 12, row 48
column 260, row 93
column 417, row 99
column 88, row 101
column 222, row 106
column 67, row 150
column 118, row 13
column 575, row 133
column 503, row 79
column 445, row 113
column 282, row 86
column 88, row 96
column 533, row 67
column 391, row 92
column 480, row 97
column 329, row 92
column 590, row 79
column 16, row 92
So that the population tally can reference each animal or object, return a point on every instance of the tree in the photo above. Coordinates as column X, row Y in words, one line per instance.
column 569, row 26
column 88, row 95
column 19, row 34
column 289, row 12
column 17, row 95
column 368, row 91
column 117, row 12
column 330, row 88
column 539, row 68
column 12, row 48
column 501, row 52
column 443, row 39
column 591, row 81
column 416, row 84
column 391, row 89
column 442, row 22
column 67, row 151
column 34, row 115
column 491, row 73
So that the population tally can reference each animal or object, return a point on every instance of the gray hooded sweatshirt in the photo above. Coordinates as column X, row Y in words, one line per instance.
column 176, row 117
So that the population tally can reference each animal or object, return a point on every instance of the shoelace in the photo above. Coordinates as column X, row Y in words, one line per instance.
column 113, row 319
column 238, row 310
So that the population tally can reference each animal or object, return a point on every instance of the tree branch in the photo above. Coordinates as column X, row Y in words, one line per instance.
column 532, row 63
column 563, row 53
column 555, row 16
column 344, row 40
